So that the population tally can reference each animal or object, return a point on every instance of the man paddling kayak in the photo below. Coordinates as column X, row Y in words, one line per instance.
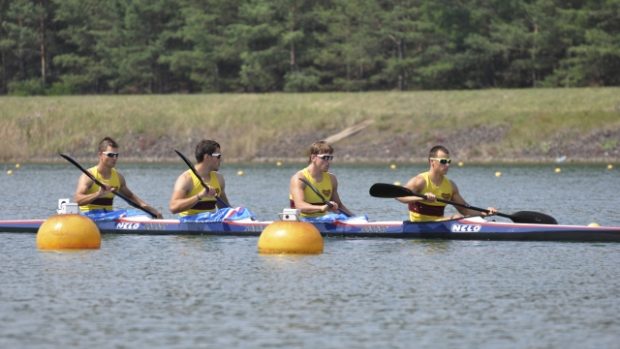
column 199, row 193
column 96, row 201
column 435, row 184
column 189, row 196
column 314, row 190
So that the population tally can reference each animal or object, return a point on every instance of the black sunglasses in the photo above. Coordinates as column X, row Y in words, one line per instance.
column 110, row 154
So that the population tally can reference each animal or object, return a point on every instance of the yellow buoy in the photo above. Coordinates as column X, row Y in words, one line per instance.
column 397, row 183
column 498, row 174
column 393, row 166
column 17, row 165
column 461, row 164
column 558, row 170
column 68, row 231
column 290, row 237
column 610, row 167
column 9, row 172
column 593, row 224
column 279, row 163
column 240, row 173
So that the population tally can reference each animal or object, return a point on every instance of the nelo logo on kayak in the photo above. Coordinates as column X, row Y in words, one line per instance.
column 127, row 226
column 465, row 228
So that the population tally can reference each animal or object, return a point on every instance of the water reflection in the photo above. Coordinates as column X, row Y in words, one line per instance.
column 431, row 247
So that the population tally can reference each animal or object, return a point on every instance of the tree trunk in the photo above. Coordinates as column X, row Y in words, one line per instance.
column 42, row 46
column 401, row 77
column 293, row 62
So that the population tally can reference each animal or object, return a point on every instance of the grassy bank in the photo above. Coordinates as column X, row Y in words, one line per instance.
column 483, row 125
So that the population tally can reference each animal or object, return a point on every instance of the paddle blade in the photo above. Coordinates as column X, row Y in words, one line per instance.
column 384, row 190
column 532, row 217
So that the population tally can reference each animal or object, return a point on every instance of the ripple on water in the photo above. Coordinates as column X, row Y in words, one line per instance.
column 180, row 292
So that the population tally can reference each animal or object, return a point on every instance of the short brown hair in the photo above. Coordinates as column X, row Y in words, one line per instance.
column 205, row 147
column 436, row 149
column 320, row 147
column 105, row 143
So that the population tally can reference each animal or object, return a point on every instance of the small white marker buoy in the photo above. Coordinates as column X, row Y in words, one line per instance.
column 17, row 165
column 558, row 170
column 9, row 172
column 397, row 183
column 392, row 166
column 594, row 224
column 461, row 164
column 610, row 167
column 498, row 174
column 279, row 163
column 240, row 173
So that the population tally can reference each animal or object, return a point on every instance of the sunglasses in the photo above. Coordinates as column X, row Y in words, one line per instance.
column 217, row 155
column 442, row 161
column 110, row 154
column 325, row 157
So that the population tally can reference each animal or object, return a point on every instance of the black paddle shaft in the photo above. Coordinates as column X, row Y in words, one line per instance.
column 317, row 192
column 385, row 190
column 117, row 193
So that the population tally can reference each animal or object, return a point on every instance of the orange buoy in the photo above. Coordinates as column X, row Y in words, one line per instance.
column 68, row 231
column 290, row 237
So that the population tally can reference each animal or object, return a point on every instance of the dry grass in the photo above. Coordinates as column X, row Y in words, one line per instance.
column 249, row 126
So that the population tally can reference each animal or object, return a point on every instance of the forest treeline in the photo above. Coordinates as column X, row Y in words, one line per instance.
column 203, row 46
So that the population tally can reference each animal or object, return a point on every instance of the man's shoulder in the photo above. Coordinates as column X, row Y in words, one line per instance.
column 185, row 175
column 421, row 176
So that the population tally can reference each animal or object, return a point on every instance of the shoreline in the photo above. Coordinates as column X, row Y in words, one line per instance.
column 346, row 161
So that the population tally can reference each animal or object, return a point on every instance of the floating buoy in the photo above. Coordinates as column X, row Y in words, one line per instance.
column 290, row 237
column 240, row 173
column 397, row 183
column 593, row 224
column 392, row 166
column 610, row 167
column 9, row 172
column 558, row 170
column 461, row 164
column 279, row 163
column 68, row 231
column 17, row 165
column 498, row 174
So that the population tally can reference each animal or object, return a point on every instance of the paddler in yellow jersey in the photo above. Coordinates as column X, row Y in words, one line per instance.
column 303, row 198
column 189, row 197
column 93, row 199
column 435, row 184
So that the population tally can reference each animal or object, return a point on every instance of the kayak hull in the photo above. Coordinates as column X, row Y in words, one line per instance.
column 459, row 229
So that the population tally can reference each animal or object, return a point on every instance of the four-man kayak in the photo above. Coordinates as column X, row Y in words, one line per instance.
column 474, row 228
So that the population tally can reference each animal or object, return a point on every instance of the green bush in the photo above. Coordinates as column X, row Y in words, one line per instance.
column 26, row 88
column 61, row 89
column 301, row 82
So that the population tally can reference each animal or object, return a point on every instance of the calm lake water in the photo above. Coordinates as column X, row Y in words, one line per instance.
column 214, row 292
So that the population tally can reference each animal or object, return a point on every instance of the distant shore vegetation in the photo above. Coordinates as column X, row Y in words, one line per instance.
column 494, row 125
column 66, row 47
